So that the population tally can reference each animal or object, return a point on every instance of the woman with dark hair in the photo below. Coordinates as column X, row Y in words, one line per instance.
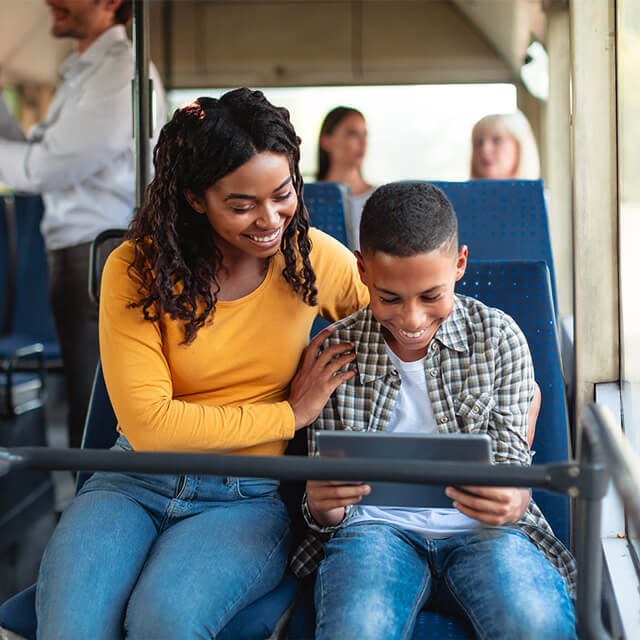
column 341, row 149
column 204, row 315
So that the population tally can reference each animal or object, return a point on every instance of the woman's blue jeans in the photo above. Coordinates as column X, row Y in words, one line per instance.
column 376, row 578
column 160, row 556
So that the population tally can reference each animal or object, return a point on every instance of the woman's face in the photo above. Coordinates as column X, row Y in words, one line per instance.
column 495, row 155
column 347, row 143
column 250, row 208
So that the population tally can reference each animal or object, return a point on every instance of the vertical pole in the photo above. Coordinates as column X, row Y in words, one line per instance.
column 595, row 195
column 558, row 152
column 588, row 549
column 141, row 96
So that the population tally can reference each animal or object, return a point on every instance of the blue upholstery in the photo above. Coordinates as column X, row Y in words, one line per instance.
column 4, row 268
column 18, row 614
column 326, row 203
column 31, row 318
column 503, row 220
column 255, row 622
column 497, row 219
column 521, row 289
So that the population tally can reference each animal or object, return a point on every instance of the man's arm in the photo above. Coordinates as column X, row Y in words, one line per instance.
column 9, row 127
column 84, row 138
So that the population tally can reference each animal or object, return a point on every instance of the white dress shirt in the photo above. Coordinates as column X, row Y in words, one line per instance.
column 81, row 158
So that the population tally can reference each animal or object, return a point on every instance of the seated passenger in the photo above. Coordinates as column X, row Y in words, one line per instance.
column 341, row 149
column 503, row 148
column 204, row 315
column 430, row 360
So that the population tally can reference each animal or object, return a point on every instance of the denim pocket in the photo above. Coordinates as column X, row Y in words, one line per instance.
column 122, row 444
column 472, row 412
column 257, row 487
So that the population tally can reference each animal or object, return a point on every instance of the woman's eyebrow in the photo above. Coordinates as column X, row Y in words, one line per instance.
column 245, row 196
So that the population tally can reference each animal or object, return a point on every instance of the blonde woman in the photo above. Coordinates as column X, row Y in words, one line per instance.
column 503, row 148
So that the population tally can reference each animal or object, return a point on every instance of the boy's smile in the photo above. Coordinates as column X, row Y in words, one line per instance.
column 411, row 296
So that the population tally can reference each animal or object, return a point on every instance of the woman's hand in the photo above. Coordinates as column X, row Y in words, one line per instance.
column 327, row 499
column 318, row 377
column 491, row 505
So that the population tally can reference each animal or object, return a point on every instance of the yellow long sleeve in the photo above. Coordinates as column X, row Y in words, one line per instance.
column 227, row 390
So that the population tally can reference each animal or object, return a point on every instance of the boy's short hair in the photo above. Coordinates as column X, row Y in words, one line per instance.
column 407, row 218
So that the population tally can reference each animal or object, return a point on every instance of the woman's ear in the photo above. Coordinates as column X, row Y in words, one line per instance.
column 195, row 202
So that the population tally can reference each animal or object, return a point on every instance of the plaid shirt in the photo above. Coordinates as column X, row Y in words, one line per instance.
column 480, row 379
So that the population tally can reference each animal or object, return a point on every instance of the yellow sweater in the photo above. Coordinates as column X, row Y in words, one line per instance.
column 227, row 390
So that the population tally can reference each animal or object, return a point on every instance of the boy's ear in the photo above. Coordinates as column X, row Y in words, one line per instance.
column 194, row 201
column 461, row 261
column 362, row 269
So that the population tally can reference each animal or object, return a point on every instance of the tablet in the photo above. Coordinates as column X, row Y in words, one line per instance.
column 458, row 447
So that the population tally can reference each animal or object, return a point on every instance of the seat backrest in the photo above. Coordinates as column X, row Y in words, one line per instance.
column 522, row 290
column 100, row 426
column 503, row 220
column 327, row 203
column 103, row 244
column 31, row 314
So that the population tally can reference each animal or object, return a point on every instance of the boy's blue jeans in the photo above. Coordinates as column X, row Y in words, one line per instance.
column 160, row 556
column 376, row 578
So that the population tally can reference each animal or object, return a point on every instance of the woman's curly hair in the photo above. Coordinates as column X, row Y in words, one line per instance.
column 176, row 259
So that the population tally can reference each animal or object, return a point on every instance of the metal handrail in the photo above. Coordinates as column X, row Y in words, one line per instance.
column 622, row 462
column 561, row 477
column 601, row 444
column 587, row 481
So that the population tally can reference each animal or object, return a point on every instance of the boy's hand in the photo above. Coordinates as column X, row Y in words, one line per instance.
column 491, row 505
column 318, row 377
column 327, row 499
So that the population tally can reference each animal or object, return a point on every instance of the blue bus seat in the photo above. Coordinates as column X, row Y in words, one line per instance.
column 31, row 320
column 522, row 289
column 327, row 203
column 255, row 622
column 503, row 220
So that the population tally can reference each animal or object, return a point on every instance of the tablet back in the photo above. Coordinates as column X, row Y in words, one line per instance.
column 457, row 447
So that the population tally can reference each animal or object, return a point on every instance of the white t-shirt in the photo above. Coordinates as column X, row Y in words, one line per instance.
column 413, row 413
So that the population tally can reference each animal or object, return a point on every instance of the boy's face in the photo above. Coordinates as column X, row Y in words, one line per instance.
column 411, row 297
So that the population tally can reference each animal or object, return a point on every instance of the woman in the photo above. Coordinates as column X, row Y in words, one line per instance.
column 503, row 148
column 205, row 313
column 341, row 149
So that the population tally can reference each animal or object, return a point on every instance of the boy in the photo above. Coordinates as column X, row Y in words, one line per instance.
column 429, row 360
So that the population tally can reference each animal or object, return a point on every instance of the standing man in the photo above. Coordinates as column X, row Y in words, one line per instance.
column 81, row 158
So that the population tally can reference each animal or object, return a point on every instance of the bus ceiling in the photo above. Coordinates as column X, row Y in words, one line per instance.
column 218, row 43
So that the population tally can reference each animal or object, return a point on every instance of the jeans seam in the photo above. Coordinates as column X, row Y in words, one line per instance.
column 414, row 613
column 261, row 570
column 320, row 609
column 476, row 625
